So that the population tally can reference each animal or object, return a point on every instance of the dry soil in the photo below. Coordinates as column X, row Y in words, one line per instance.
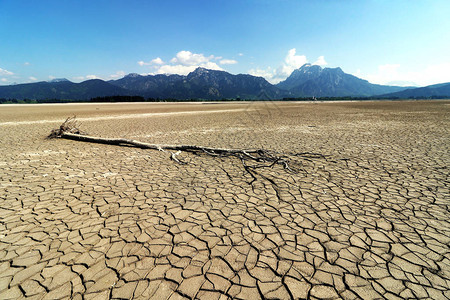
column 91, row 221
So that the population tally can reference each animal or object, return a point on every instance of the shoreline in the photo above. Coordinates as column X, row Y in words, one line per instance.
column 222, row 102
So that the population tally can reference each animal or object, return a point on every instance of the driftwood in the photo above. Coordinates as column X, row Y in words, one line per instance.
column 263, row 158
column 70, row 125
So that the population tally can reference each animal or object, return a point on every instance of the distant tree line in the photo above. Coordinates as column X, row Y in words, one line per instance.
column 112, row 99
column 142, row 99
column 119, row 99
column 15, row 101
column 350, row 98
column 33, row 101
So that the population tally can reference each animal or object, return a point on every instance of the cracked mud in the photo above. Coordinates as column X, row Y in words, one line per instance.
column 90, row 221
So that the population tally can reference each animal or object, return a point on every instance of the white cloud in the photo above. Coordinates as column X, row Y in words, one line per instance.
column 32, row 78
column 267, row 74
column 320, row 61
column 228, row 62
column 92, row 77
column 294, row 61
column 211, row 66
column 184, row 70
column 157, row 61
column 4, row 80
column 51, row 77
column 118, row 74
column 78, row 78
column 395, row 74
column 5, row 72
column 26, row 63
column 187, row 58
column 175, row 69
column 291, row 62
column 88, row 77
column 241, row 54
column 185, row 62
column 437, row 73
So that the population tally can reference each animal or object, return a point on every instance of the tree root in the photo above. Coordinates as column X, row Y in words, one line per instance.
column 70, row 125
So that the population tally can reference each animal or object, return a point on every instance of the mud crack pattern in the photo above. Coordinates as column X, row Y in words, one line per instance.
column 87, row 221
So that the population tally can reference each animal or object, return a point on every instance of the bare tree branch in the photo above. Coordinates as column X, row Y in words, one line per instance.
column 263, row 158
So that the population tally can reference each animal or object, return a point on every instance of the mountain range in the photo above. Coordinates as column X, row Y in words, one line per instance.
column 61, row 89
column 312, row 80
column 200, row 84
column 435, row 90
column 307, row 81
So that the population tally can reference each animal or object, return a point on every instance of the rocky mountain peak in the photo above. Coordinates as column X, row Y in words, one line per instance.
column 59, row 80
column 301, row 75
column 133, row 75
column 308, row 68
column 334, row 70
column 312, row 80
column 200, row 71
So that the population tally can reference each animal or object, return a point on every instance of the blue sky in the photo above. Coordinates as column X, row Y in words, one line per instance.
column 388, row 42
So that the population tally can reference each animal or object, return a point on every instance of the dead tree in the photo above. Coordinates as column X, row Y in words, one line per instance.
column 263, row 158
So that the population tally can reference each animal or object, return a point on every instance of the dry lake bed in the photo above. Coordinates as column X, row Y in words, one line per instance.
column 368, row 219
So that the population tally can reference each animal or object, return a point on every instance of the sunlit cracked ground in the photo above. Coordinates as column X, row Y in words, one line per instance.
column 92, row 221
